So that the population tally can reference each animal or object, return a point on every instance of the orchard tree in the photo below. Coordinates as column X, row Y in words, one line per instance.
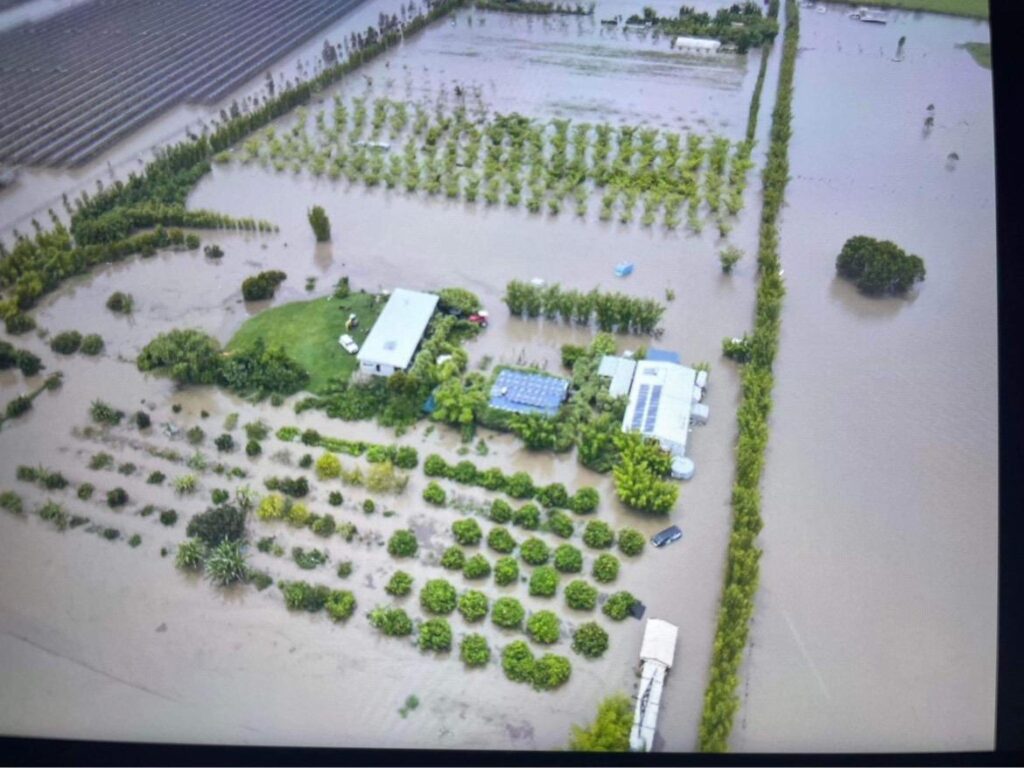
column 320, row 223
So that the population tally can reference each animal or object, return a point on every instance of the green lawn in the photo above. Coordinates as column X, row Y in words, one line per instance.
column 977, row 9
column 309, row 330
column 981, row 52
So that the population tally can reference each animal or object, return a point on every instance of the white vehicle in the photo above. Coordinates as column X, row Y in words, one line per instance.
column 348, row 343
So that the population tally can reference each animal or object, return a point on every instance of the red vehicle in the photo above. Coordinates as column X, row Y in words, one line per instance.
column 479, row 318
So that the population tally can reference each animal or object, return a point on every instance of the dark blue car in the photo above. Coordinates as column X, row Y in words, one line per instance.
column 670, row 534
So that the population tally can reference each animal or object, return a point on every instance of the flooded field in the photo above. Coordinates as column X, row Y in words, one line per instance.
column 182, row 648
column 875, row 626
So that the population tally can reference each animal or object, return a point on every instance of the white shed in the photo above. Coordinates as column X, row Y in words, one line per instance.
column 696, row 45
column 397, row 333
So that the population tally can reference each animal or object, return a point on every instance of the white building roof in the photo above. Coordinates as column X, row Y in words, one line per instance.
column 397, row 332
column 659, row 642
column 620, row 370
column 660, row 400
column 697, row 43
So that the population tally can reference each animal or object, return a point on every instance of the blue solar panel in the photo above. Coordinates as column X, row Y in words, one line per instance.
column 528, row 392
column 641, row 402
column 652, row 409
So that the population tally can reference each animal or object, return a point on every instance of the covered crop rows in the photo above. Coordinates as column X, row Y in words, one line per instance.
column 77, row 82
column 514, row 160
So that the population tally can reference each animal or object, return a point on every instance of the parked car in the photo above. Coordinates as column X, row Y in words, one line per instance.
column 348, row 343
column 479, row 318
column 670, row 534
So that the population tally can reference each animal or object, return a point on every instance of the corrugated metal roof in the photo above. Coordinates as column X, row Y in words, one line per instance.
column 620, row 371
column 397, row 332
column 660, row 399
column 659, row 642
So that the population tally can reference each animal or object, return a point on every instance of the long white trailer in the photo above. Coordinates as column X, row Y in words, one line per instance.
column 657, row 652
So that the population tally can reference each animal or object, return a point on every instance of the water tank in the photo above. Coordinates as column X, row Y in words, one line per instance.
column 682, row 468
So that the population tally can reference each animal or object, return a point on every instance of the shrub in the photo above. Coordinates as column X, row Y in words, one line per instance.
column 253, row 448
column 28, row 363
column 553, row 495
column 274, row 506
column 298, row 514
column 543, row 627
column 435, row 466
column 344, row 569
column 296, row 487
column 324, row 525
column 402, row 544
column 213, row 251
column 584, row 501
column 434, row 494
column 168, row 517
column 191, row 555
column 142, row 420
column 156, row 478
column 474, row 651
column 517, row 662
column 729, row 257
column 590, row 640
column 118, row 497
column 435, row 635
column 560, row 524
column 544, row 582
column 631, row 542
column 320, row 223
column 92, row 344
column 195, row 435
column 66, row 343
column 473, row 605
column 520, row 486
column 534, row 551
column 102, row 413
column 226, row 564
column 453, row 559
column 302, row 596
column 219, row 496
column 606, row 568
column 550, row 671
column 617, row 606
column 328, row 467
column 467, row 532
column 598, row 535
column 225, row 443
column 506, row 571
column 185, row 484
column 11, row 501
column 500, row 540
column 580, row 595
column 369, row 507
column 508, row 612
column 19, row 323
column 307, row 561
column 306, row 461
column 217, row 524
column 528, row 517
column 406, row 457
column 17, row 406
column 52, row 512
column 438, row 596
column 501, row 512
column 127, row 468
column 263, row 285
column 335, row 499
column 85, row 491
column 476, row 567
column 122, row 303
column 465, row 472
column 878, row 266
column 259, row 579
column 399, row 585
column 568, row 559
column 340, row 605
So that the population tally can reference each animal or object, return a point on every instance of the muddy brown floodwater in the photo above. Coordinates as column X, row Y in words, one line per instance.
column 875, row 626
column 169, row 658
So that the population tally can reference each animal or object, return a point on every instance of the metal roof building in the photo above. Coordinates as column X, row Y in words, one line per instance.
column 696, row 44
column 620, row 370
column 397, row 333
column 660, row 400
column 522, row 392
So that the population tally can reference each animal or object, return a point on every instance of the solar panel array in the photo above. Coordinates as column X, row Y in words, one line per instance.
column 641, row 403
column 528, row 392
column 652, row 408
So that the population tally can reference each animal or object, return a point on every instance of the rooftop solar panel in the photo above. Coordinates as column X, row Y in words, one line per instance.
column 652, row 409
column 641, row 403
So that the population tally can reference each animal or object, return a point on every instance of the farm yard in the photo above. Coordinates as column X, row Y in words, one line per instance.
column 203, row 501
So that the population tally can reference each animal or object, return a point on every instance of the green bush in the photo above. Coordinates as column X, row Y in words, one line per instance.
column 606, row 568
column 168, row 517
column 92, row 344
column 508, row 612
column 598, row 535
column 66, row 343
column 580, row 595
column 435, row 635
column 438, row 596
column 340, row 605
column 878, row 266
column 473, row 605
column 369, row 506
column 217, row 524
column 553, row 495
column 195, row 435
column 501, row 512
column 560, row 524
column 435, row 466
column 453, row 558
column 102, row 413
column 85, row 491
column 302, row 596
column 335, row 499
column 617, row 606
column 28, row 363
column 584, row 501
column 306, row 461
column 434, row 494
column 474, row 651
column 344, row 569
column 393, row 622
column 121, row 303
column 225, row 443
column 399, row 585
column 534, row 551
column 528, row 517
column 550, row 671
column 263, row 285
column 191, row 555
column 320, row 223
column 517, row 662
column 543, row 627
column 476, row 567
column 324, row 525
column 544, row 582
column 226, row 564
column 117, row 497
column 500, row 540
column 590, row 640
column 142, row 420
column 631, row 542
column 506, row 571
column 520, row 486
column 253, row 448
column 11, row 501
column 328, row 467
column 19, row 323
column 403, row 544
column 467, row 532
column 219, row 496
column 156, row 478
column 308, row 560
column 568, row 559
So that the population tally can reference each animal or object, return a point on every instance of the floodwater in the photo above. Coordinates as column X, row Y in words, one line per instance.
column 177, row 660
column 875, row 626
